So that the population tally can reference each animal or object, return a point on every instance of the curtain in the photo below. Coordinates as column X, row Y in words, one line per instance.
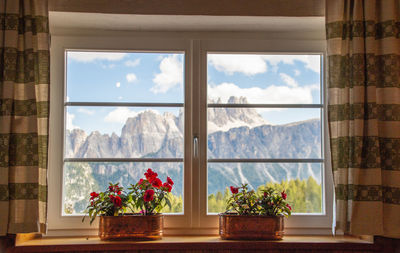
column 24, row 110
column 363, row 40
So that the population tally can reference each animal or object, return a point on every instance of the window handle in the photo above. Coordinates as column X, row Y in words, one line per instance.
column 195, row 147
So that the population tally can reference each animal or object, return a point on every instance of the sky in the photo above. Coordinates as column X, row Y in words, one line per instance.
column 159, row 78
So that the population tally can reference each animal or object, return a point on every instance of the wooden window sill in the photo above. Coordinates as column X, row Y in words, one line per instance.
column 313, row 243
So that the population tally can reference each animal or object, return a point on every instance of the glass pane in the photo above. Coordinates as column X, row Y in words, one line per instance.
column 264, row 79
column 264, row 133
column 124, row 77
column 82, row 178
column 124, row 132
column 301, row 181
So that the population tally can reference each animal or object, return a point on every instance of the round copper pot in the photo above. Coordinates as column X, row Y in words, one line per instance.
column 132, row 227
column 245, row 227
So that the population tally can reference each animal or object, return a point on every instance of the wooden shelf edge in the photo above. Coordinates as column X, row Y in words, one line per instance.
column 194, row 243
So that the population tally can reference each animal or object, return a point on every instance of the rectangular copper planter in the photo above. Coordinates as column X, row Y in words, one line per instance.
column 243, row 227
column 131, row 227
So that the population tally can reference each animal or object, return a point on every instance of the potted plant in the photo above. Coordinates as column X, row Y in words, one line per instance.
column 254, row 216
column 134, row 214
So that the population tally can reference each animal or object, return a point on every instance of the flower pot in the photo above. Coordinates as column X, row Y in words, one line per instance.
column 132, row 227
column 244, row 227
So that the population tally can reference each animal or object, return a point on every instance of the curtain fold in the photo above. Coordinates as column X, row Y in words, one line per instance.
column 24, row 111
column 363, row 40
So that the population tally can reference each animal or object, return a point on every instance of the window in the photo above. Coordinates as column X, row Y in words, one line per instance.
column 232, row 110
column 124, row 113
column 264, row 126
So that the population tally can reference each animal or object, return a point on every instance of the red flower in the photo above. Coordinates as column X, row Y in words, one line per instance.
column 283, row 194
column 290, row 208
column 116, row 200
column 112, row 197
column 169, row 181
column 148, row 195
column 111, row 188
column 141, row 183
column 234, row 190
column 150, row 175
column 156, row 183
column 119, row 192
column 265, row 194
column 93, row 195
column 167, row 187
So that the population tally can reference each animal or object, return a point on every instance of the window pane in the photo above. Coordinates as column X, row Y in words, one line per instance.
column 82, row 178
column 264, row 133
column 301, row 181
column 124, row 77
column 124, row 132
column 263, row 79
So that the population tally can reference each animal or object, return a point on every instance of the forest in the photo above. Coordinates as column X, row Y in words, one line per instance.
column 305, row 196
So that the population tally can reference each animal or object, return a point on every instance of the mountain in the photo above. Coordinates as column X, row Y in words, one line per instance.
column 233, row 133
column 223, row 119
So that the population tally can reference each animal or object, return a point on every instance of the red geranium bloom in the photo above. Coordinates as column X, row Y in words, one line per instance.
column 156, row 183
column 117, row 201
column 167, row 186
column 169, row 181
column 234, row 190
column 148, row 195
column 265, row 194
column 114, row 188
column 150, row 175
column 93, row 195
column 141, row 181
column 290, row 208
column 284, row 195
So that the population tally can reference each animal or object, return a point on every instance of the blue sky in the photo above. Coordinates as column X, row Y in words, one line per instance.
column 159, row 77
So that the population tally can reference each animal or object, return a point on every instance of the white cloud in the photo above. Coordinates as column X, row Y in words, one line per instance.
column 86, row 111
column 269, row 95
column 311, row 62
column 120, row 98
column 70, row 118
column 108, row 66
column 118, row 84
column 297, row 72
column 120, row 115
column 93, row 56
column 288, row 80
column 132, row 63
column 256, row 64
column 171, row 74
column 131, row 77
column 241, row 63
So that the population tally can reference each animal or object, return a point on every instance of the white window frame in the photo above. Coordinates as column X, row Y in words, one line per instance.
column 195, row 46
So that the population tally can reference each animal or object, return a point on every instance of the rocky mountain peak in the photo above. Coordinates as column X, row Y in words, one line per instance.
column 237, row 100
column 223, row 119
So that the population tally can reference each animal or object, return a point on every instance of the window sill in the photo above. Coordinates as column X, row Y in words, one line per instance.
column 315, row 243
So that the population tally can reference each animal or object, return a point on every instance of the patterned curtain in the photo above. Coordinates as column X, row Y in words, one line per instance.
column 363, row 39
column 24, row 110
